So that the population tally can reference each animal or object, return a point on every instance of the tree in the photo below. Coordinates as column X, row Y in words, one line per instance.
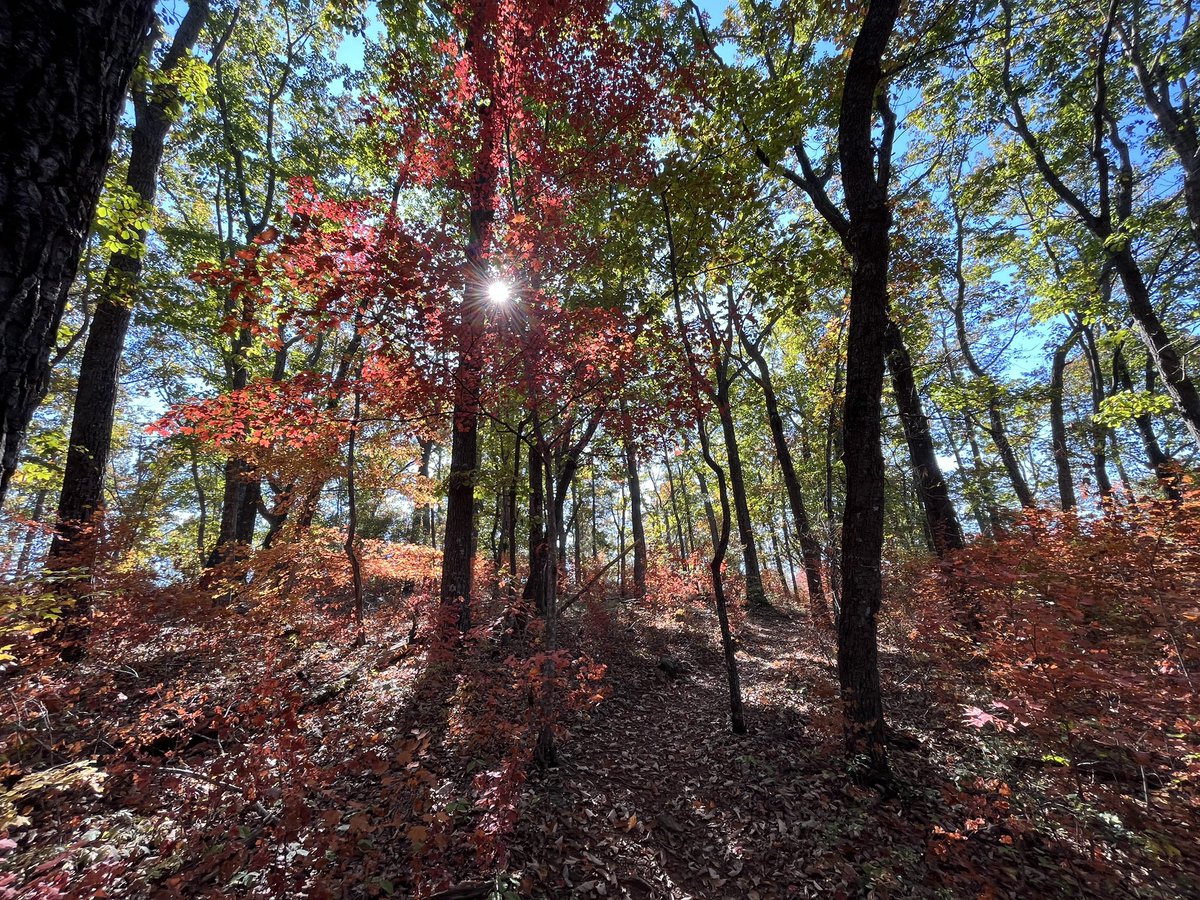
column 866, row 236
column 1110, row 222
column 934, row 493
column 62, row 87
column 809, row 548
column 477, row 117
column 157, row 101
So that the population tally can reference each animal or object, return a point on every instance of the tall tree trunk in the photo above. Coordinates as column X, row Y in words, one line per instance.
column 756, row 598
column 683, row 548
column 636, row 513
column 63, row 76
column 945, row 532
column 459, row 529
column 99, row 372
column 351, row 545
column 868, row 241
column 1058, row 426
column 545, row 754
column 510, row 506
column 538, row 538
column 1100, row 433
column 620, row 526
column 809, row 547
column 595, row 518
column 577, row 532
column 720, row 543
column 834, row 441
column 418, row 529
column 720, row 535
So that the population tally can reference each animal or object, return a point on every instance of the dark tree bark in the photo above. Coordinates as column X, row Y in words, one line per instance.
column 756, row 598
column 100, row 369
column 576, row 532
column 720, row 542
column 545, row 754
column 945, row 532
column 459, row 528
column 595, row 518
column 351, row 545
column 683, row 547
column 63, row 77
column 809, row 547
column 636, row 515
column 535, row 584
column 510, row 506
column 1058, row 426
column 868, row 240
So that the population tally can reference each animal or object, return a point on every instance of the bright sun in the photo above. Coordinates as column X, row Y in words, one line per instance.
column 498, row 292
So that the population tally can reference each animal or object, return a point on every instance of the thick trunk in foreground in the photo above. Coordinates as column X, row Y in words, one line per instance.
column 100, row 369
column 862, row 522
column 944, row 529
column 63, row 76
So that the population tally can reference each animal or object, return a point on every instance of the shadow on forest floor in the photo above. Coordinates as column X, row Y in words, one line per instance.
column 269, row 757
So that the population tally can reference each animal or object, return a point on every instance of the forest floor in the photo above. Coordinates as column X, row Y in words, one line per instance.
column 658, row 799
column 258, row 753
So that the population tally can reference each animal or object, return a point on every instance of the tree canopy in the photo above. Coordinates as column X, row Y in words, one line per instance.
column 502, row 448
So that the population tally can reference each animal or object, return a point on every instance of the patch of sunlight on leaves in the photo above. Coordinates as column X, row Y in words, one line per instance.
column 82, row 773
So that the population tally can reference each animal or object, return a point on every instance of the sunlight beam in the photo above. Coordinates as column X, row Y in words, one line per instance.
column 499, row 292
